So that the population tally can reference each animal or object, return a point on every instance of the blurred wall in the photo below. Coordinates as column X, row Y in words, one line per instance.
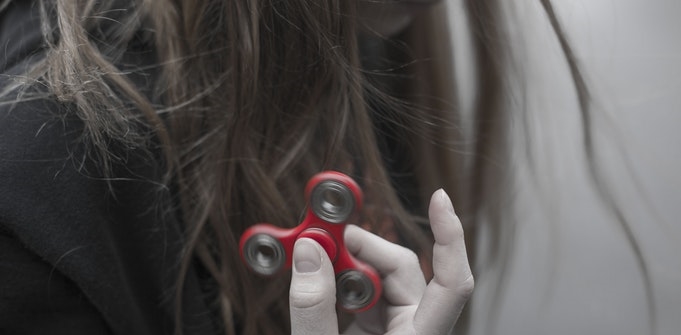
column 573, row 270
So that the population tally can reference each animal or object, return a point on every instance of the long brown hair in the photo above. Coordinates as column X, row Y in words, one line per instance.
column 250, row 98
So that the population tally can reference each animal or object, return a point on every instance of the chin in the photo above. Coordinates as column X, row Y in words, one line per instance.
column 389, row 17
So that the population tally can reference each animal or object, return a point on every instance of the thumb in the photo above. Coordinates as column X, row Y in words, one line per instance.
column 312, row 297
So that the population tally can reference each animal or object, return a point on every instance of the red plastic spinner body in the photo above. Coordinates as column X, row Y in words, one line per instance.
column 327, row 232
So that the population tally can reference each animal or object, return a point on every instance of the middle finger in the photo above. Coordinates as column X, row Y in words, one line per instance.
column 403, row 280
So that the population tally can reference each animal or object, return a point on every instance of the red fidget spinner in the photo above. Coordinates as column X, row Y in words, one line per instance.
column 333, row 198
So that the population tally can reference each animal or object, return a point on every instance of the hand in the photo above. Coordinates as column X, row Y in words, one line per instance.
column 408, row 305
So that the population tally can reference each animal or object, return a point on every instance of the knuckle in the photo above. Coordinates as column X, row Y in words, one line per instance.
column 409, row 257
column 458, row 232
column 401, row 259
column 311, row 295
column 466, row 288
column 309, row 300
column 455, row 235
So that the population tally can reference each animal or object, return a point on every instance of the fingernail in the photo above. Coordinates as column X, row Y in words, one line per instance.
column 447, row 201
column 307, row 256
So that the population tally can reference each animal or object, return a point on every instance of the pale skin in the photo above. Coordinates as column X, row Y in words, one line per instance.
column 409, row 305
column 389, row 17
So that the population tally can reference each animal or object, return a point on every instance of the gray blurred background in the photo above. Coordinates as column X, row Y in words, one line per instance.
column 573, row 271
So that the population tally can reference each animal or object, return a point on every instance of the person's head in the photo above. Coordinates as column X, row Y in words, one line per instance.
column 246, row 99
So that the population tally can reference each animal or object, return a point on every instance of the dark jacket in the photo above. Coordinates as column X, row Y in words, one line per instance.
column 80, row 254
